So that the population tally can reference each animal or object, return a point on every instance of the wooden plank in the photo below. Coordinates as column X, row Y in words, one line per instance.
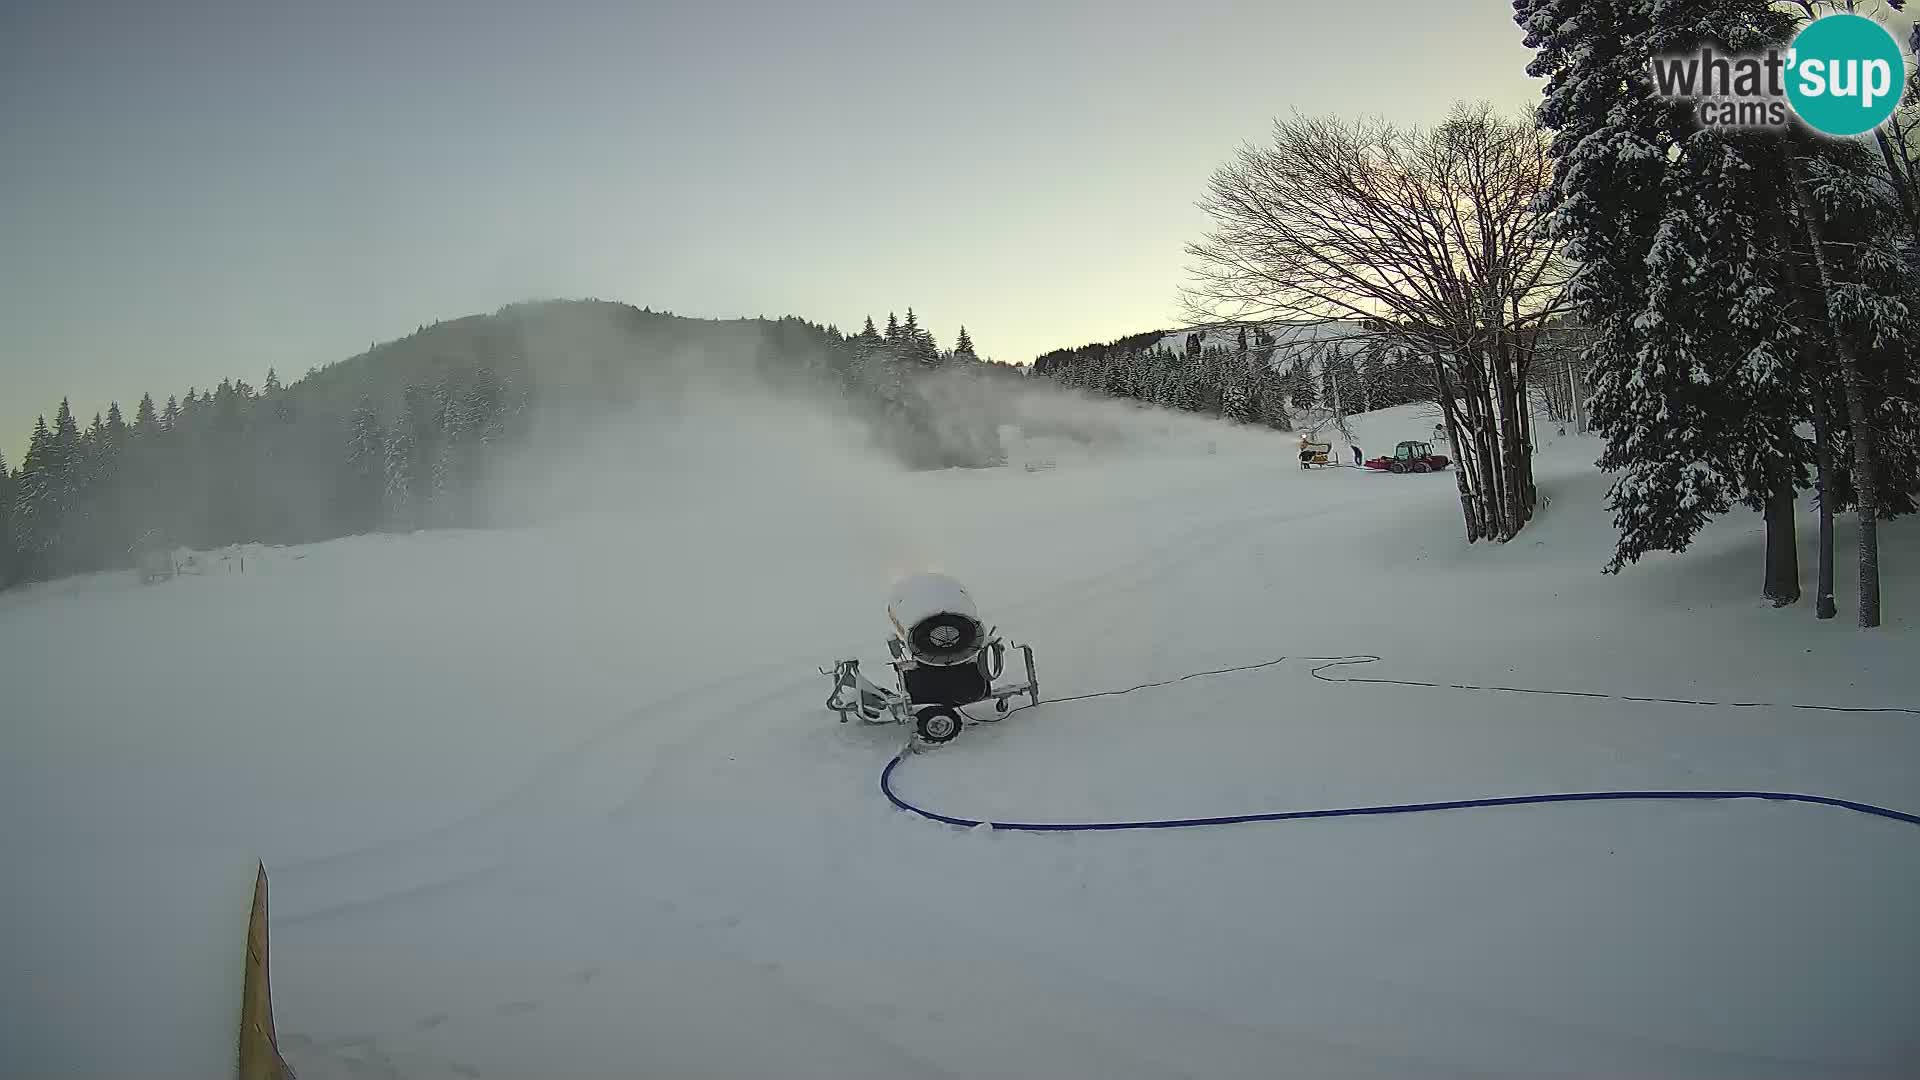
column 259, row 1047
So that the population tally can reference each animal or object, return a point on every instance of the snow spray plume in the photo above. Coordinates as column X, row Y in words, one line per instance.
column 703, row 463
column 709, row 473
column 1040, row 419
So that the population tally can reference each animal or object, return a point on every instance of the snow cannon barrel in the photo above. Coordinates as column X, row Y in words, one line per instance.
column 937, row 619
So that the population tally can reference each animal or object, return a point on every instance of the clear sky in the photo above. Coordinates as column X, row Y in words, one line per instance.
column 191, row 189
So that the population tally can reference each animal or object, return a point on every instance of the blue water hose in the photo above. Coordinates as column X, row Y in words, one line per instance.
column 886, row 788
column 894, row 797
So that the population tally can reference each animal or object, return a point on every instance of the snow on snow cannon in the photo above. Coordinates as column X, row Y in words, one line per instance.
column 944, row 658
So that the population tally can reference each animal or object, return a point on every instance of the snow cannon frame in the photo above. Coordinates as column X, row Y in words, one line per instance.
column 943, row 658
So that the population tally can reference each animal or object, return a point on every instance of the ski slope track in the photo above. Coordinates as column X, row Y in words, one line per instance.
column 562, row 801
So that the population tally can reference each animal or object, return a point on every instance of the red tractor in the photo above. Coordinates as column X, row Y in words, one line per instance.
column 1410, row 457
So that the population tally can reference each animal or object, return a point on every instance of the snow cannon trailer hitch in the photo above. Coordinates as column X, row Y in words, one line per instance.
column 943, row 658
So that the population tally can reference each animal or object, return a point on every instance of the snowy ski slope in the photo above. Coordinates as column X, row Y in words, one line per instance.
column 562, row 801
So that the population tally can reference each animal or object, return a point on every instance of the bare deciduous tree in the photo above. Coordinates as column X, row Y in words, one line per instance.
column 1434, row 240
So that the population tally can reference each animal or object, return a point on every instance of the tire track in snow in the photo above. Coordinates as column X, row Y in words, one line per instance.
column 698, row 945
column 1160, row 559
column 473, row 846
column 549, row 770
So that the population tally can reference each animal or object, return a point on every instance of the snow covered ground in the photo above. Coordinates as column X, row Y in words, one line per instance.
column 562, row 801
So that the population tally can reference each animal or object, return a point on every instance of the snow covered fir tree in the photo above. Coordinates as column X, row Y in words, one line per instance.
column 1751, row 293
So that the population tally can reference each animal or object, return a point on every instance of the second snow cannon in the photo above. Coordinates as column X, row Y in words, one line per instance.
column 943, row 656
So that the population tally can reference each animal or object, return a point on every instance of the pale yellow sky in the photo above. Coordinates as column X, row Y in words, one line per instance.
column 217, row 187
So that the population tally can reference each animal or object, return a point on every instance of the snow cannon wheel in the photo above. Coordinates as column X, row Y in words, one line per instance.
column 937, row 724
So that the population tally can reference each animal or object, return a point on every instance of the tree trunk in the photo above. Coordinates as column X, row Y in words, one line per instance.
column 1516, row 434
column 1823, row 607
column 1507, row 434
column 1456, row 443
column 1486, row 487
column 1485, row 457
column 1574, row 382
column 1808, row 295
column 1524, row 446
column 1865, row 480
column 1513, row 434
column 1783, row 549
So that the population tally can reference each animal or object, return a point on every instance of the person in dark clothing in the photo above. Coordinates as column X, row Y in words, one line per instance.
column 1356, row 456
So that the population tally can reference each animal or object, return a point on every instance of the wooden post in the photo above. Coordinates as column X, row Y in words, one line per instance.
column 259, row 1047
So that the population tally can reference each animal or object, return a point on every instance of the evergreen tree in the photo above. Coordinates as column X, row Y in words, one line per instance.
column 421, row 425
column 112, row 467
column 1235, row 403
column 963, row 348
column 1300, row 378
column 226, row 407
column 399, row 492
column 1615, row 151
column 31, row 520
column 916, row 344
column 451, row 462
column 366, row 481
column 170, row 419
column 142, row 474
column 1166, row 380
column 1190, row 391
column 1270, row 400
column 892, row 337
column 9, row 558
column 38, row 447
column 486, row 407
column 59, row 502
column 66, row 439
column 1860, row 302
column 1683, row 240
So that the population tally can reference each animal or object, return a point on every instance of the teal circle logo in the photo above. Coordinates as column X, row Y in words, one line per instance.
column 1845, row 74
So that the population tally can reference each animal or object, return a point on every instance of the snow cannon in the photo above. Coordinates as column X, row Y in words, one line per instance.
column 944, row 657
column 936, row 618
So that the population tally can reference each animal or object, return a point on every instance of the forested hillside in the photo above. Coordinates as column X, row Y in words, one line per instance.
column 1276, row 374
column 408, row 434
